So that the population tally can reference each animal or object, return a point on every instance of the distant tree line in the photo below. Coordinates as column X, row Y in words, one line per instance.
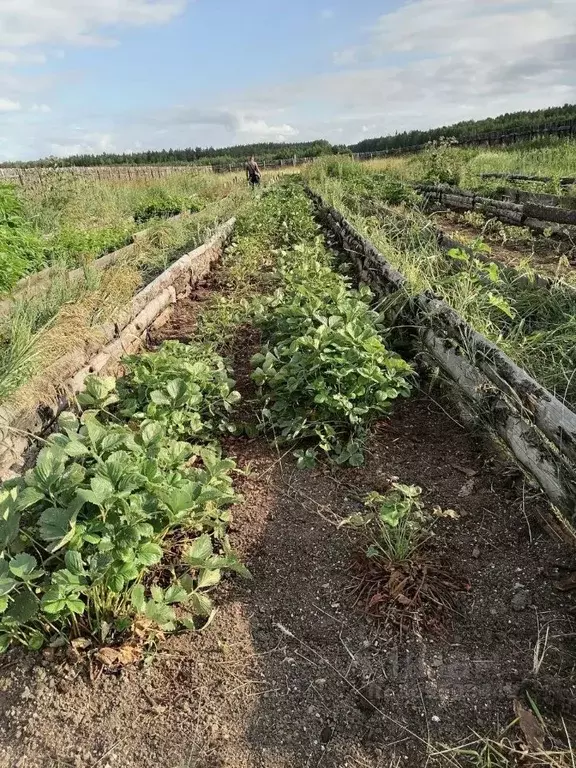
column 265, row 152
column 508, row 123
column 272, row 152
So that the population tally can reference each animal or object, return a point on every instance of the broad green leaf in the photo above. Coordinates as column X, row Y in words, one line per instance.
column 116, row 583
column 138, row 599
column 160, row 613
column 74, row 564
column 23, row 567
column 151, row 432
column 27, row 497
column 57, row 525
column 24, row 607
column 209, row 578
column 157, row 593
column 199, row 551
column 149, row 553
column 175, row 594
column 201, row 604
column 7, row 584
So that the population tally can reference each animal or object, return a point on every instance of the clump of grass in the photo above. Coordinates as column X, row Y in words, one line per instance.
column 529, row 740
column 395, row 579
column 40, row 332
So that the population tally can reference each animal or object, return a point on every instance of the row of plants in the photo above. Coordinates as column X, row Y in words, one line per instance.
column 323, row 373
column 70, row 221
column 534, row 326
column 121, row 522
column 120, row 526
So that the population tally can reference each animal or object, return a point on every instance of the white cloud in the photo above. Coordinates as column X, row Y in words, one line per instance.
column 427, row 63
column 12, row 59
column 326, row 14
column 345, row 58
column 89, row 143
column 259, row 130
column 77, row 22
column 7, row 105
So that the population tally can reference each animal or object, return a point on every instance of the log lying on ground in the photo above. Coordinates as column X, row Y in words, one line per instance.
column 564, row 181
column 542, row 219
column 539, row 430
column 19, row 425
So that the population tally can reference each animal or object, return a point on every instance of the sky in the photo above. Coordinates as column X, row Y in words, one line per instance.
column 82, row 76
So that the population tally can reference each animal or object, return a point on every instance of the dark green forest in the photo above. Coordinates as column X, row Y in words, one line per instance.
column 272, row 153
column 508, row 123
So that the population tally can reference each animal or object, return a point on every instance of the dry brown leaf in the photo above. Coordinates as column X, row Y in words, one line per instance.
column 122, row 656
column 81, row 643
column 451, row 513
column 108, row 656
column 530, row 726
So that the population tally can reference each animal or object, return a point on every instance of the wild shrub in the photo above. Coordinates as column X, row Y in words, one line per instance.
column 159, row 203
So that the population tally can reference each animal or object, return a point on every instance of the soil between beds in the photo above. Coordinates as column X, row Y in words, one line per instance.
column 543, row 254
column 246, row 694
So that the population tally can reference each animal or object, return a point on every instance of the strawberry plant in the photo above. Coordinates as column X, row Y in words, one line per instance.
column 185, row 387
column 324, row 371
column 90, row 520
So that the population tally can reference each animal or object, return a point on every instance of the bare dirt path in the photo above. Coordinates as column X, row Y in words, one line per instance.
column 292, row 673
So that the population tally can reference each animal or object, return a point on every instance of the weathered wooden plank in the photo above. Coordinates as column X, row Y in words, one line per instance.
column 549, row 213
column 554, row 474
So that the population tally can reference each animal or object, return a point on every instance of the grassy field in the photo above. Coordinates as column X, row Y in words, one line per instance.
column 68, row 220
column 463, row 165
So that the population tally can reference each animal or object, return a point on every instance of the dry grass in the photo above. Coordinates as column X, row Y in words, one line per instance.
column 51, row 357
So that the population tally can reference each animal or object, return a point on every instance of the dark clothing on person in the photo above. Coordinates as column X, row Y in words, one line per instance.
column 253, row 172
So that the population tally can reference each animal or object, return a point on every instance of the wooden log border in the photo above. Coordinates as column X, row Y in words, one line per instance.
column 150, row 308
column 538, row 430
column 536, row 216
column 34, row 284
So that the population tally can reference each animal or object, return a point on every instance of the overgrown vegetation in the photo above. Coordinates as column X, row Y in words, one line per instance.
column 21, row 251
column 69, row 221
column 535, row 327
column 38, row 331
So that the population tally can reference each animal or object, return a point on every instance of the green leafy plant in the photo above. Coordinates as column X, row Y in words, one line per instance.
column 21, row 248
column 395, row 522
column 324, row 370
column 159, row 203
column 90, row 519
column 397, row 580
column 185, row 387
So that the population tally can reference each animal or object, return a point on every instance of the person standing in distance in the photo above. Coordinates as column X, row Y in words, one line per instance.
column 253, row 172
